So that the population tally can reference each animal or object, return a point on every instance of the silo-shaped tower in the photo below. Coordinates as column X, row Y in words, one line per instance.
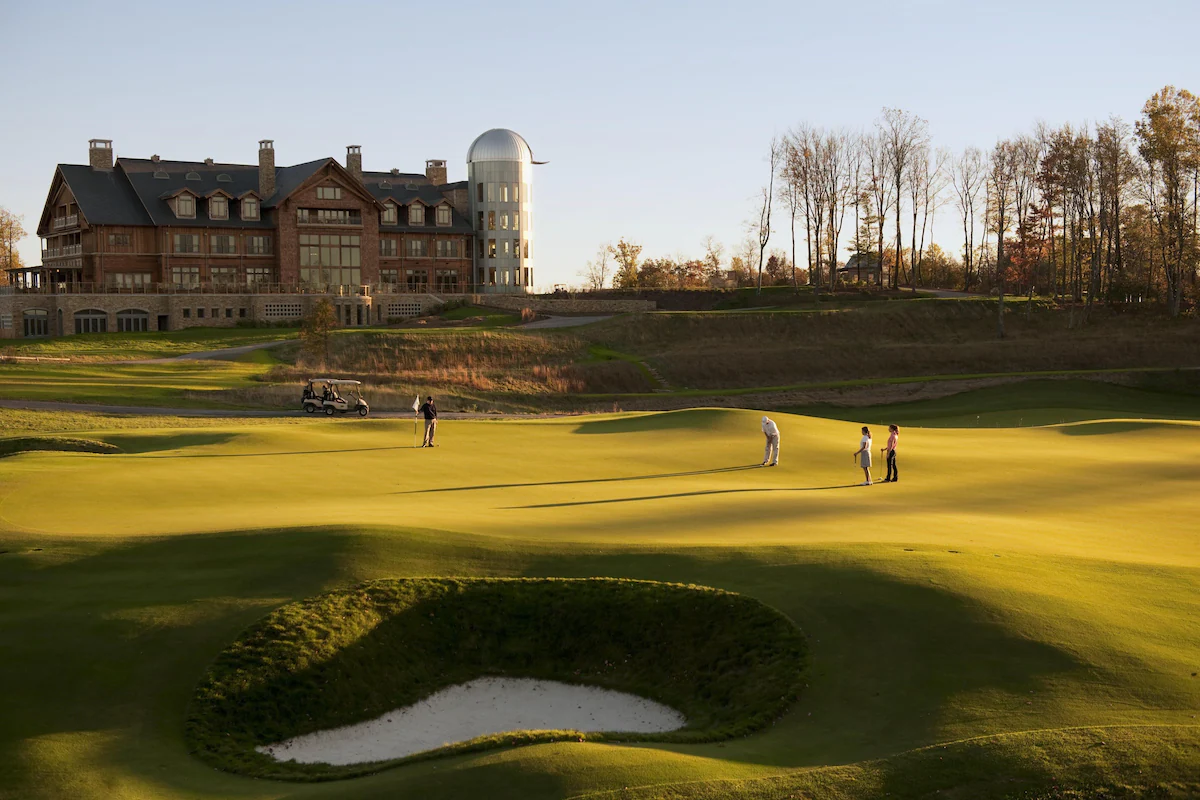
column 500, row 174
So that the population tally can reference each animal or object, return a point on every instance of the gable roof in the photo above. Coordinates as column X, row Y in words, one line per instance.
column 409, row 189
column 153, row 192
column 104, row 197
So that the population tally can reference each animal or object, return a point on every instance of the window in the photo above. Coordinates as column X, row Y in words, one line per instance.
column 216, row 312
column 389, row 277
column 504, row 193
column 35, row 322
column 491, row 220
column 91, row 320
column 479, row 192
column 416, row 280
column 223, row 245
column 491, row 248
column 516, row 221
column 256, row 276
column 329, row 193
column 249, row 208
column 328, row 216
column 443, row 214
column 416, row 248
column 187, row 313
column 199, row 313
column 218, row 208
column 229, row 313
column 416, row 214
column 330, row 260
column 389, row 215
column 133, row 321
column 119, row 240
column 242, row 313
column 258, row 245
column 329, row 250
column 516, row 248
column 506, row 251
column 525, row 220
column 447, row 248
column 492, row 276
column 481, row 248
column 185, row 206
column 186, row 277
column 491, row 194
column 128, row 280
column 516, row 192
column 446, row 280
column 192, row 176
column 223, row 276
column 223, row 178
column 504, row 221
column 526, row 248
column 387, row 248
column 480, row 227
column 187, row 243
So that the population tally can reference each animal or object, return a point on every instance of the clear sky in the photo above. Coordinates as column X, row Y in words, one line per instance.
column 654, row 116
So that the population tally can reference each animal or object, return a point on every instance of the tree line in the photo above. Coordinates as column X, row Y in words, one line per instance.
column 1105, row 212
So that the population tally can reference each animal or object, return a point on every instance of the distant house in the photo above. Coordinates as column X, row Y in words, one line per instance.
column 861, row 267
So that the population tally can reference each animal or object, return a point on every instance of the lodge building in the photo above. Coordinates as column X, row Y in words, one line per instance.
column 136, row 244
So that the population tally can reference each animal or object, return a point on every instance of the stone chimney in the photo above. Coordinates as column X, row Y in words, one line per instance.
column 435, row 170
column 354, row 161
column 266, row 167
column 208, row 162
column 100, row 154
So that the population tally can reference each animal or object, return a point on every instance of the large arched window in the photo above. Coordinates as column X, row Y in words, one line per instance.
column 133, row 320
column 91, row 320
column 35, row 322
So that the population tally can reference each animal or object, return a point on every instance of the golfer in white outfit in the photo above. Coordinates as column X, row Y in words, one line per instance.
column 771, row 431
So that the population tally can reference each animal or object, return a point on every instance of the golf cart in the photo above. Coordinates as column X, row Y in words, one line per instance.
column 325, row 394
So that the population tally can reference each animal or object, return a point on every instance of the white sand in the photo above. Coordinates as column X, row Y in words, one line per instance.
column 478, row 708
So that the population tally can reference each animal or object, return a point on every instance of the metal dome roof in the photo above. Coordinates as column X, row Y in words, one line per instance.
column 499, row 144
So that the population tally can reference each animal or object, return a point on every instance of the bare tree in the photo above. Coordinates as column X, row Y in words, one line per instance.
column 763, row 227
column 904, row 135
column 834, row 158
column 598, row 271
column 879, row 189
column 1001, row 182
column 968, row 177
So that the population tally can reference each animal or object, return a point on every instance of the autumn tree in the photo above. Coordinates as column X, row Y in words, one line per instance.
column 317, row 328
column 1169, row 142
column 626, row 255
column 11, row 232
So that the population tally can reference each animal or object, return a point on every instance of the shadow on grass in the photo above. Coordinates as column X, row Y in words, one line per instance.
column 701, row 420
column 692, row 473
column 681, row 494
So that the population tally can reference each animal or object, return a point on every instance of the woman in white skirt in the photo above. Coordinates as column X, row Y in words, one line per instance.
column 863, row 455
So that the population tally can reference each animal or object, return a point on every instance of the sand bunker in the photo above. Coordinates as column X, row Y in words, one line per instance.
column 478, row 708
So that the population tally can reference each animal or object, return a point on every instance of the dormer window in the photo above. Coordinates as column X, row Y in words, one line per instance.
column 389, row 214
column 218, row 208
column 385, row 184
column 185, row 206
column 249, row 208
column 223, row 178
column 416, row 214
column 193, row 176
column 443, row 214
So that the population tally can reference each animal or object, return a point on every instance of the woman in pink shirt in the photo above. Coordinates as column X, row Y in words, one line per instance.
column 893, row 474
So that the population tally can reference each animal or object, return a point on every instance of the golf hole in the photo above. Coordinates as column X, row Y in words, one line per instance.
column 356, row 680
column 478, row 708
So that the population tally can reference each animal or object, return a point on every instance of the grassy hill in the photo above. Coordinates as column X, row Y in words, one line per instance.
column 1018, row 617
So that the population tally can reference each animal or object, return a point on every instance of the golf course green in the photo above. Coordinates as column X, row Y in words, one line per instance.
column 1018, row 617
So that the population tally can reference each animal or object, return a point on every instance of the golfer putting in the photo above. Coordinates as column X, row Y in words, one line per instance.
column 771, row 453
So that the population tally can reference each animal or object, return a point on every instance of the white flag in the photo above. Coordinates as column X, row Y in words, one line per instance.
column 417, row 404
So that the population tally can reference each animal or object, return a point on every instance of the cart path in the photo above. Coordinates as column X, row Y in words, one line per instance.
column 173, row 411
column 564, row 322
column 224, row 354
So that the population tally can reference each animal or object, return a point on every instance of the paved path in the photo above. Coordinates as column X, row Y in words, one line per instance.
column 565, row 322
column 224, row 354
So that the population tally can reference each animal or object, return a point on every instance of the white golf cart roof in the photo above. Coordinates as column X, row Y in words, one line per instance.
column 335, row 382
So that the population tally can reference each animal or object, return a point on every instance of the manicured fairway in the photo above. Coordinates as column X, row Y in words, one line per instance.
column 1021, row 611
